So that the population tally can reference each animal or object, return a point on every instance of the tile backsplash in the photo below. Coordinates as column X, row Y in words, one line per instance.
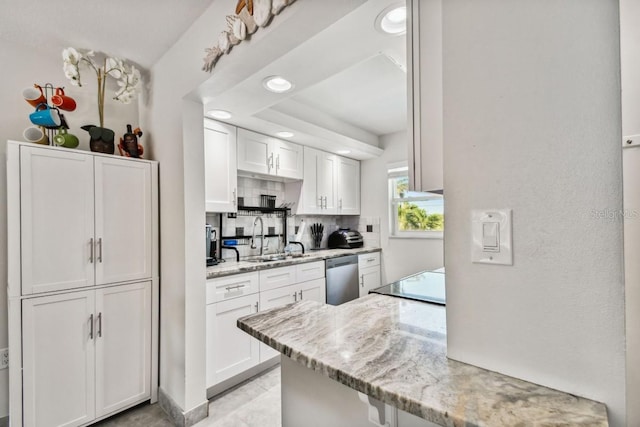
column 250, row 190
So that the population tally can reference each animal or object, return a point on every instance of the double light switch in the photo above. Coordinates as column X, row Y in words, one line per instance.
column 491, row 236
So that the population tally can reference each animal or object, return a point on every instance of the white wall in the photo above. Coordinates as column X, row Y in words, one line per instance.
column 179, row 149
column 22, row 68
column 630, row 64
column 400, row 257
column 532, row 123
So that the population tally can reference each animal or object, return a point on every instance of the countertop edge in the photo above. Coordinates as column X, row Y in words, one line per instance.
column 231, row 268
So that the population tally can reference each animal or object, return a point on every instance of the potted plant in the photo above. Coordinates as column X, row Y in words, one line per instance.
column 126, row 76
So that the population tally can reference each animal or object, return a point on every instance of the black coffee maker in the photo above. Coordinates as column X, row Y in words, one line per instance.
column 212, row 245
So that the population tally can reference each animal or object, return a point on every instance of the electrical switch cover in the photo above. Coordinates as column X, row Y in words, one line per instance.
column 491, row 234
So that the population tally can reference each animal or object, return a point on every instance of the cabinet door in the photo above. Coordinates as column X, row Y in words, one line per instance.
column 123, row 346
column 58, row 359
column 369, row 279
column 288, row 159
column 327, row 178
column 277, row 277
column 57, row 220
column 348, row 186
column 314, row 290
column 254, row 153
column 123, row 220
column 220, row 167
column 311, row 202
column 230, row 351
column 275, row 298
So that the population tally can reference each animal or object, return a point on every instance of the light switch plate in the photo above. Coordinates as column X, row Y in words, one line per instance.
column 480, row 252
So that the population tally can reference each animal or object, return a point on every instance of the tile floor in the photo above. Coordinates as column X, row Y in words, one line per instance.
column 255, row 403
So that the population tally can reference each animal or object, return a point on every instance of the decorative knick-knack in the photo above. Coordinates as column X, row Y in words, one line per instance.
column 129, row 146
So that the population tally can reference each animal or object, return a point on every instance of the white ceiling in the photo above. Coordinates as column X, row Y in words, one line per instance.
column 138, row 30
column 350, row 88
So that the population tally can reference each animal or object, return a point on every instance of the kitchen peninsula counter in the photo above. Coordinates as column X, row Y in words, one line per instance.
column 394, row 350
column 233, row 267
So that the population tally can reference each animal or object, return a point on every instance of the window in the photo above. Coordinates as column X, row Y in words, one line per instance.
column 413, row 214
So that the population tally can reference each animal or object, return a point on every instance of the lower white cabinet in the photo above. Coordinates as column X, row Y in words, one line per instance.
column 85, row 354
column 230, row 351
column 369, row 272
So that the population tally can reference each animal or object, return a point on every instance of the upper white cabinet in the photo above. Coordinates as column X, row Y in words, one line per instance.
column 265, row 155
column 331, row 185
column 424, row 79
column 348, row 186
column 220, row 169
column 84, row 220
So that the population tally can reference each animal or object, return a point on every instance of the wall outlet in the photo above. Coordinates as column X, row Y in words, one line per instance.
column 4, row 358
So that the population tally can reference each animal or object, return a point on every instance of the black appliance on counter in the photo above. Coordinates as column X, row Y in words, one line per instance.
column 345, row 238
column 212, row 245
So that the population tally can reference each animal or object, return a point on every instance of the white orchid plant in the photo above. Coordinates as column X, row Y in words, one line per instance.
column 127, row 76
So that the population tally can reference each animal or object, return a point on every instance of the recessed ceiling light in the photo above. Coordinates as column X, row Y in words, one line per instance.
column 392, row 20
column 343, row 151
column 284, row 134
column 277, row 84
column 219, row 114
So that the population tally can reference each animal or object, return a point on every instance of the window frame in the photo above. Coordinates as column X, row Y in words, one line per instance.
column 395, row 170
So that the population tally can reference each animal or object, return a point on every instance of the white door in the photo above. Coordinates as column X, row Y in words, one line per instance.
column 314, row 290
column 275, row 298
column 369, row 279
column 58, row 359
column 57, row 214
column 288, row 159
column 220, row 167
column 348, row 186
column 123, row 220
column 311, row 202
column 123, row 346
column 254, row 153
column 230, row 351
column 327, row 178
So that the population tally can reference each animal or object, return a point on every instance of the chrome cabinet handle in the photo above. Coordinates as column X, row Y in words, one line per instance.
column 232, row 288
column 300, row 295
column 320, row 201
column 91, row 324
column 99, row 324
column 295, row 297
column 100, row 248
column 256, row 305
column 340, row 206
column 277, row 163
column 235, row 199
column 91, row 250
column 362, row 280
column 270, row 162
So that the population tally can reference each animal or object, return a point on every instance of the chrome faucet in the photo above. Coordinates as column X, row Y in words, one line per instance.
column 253, row 238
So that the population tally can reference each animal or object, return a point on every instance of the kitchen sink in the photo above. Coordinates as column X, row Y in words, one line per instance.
column 276, row 257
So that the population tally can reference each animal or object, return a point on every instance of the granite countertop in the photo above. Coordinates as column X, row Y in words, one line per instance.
column 394, row 350
column 233, row 267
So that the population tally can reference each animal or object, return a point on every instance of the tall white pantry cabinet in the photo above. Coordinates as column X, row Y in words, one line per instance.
column 83, row 284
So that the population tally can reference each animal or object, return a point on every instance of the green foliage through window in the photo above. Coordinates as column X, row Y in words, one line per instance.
column 412, row 217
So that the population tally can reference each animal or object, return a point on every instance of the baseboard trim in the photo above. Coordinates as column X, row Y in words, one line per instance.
column 179, row 417
column 232, row 382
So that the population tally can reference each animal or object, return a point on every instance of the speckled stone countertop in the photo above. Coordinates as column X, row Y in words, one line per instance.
column 228, row 268
column 394, row 350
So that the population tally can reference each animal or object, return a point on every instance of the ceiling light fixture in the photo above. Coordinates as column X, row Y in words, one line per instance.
column 392, row 20
column 343, row 151
column 219, row 114
column 284, row 134
column 277, row 84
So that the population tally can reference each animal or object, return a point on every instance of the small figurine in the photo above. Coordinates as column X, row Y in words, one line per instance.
column 129, row 146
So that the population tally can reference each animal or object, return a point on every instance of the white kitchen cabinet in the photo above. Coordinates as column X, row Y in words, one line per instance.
column 84, row 220
column 59, row 360
column 313, row 290
column 220, row 167
column 86, row 354
column 369, row 272
column 277, row 277
column 82, row 227
column 348, row 186
column 331, row 185
column 230, row 351
column 424, row 90
column 233, row 286
column 265, row 155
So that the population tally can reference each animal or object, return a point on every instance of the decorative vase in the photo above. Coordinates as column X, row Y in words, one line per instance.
column 102, row 139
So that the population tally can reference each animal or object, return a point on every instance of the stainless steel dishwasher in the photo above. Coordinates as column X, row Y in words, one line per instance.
column 342, row 279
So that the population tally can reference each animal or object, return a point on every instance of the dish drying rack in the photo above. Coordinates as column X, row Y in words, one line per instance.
column 254, row 211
